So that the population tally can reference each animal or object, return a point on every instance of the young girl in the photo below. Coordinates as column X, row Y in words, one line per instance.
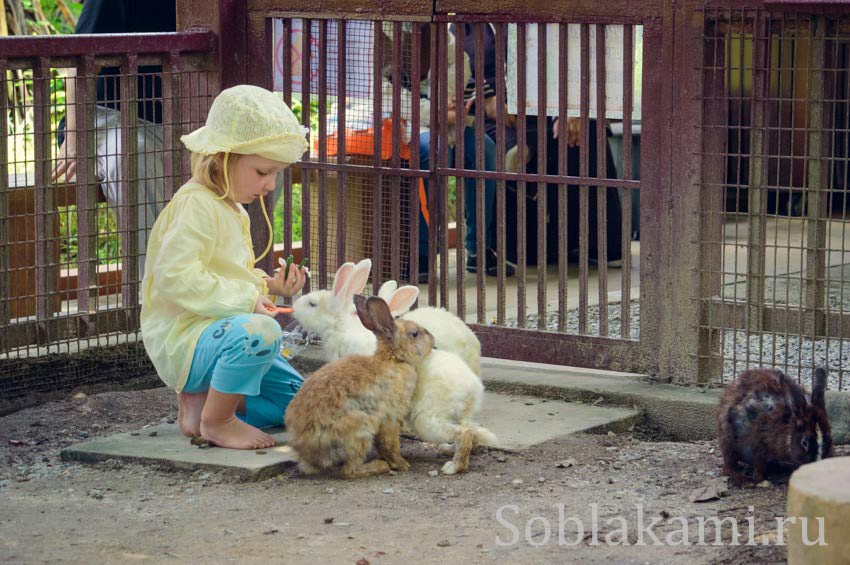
column 205, row 319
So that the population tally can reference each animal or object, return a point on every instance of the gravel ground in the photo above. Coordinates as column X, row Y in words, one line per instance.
column 56, row 511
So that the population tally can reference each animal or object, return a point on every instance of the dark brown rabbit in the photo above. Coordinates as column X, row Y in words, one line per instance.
column 767, row 421
column 357, row 401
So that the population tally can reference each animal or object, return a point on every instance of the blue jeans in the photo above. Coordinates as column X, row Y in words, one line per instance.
column 469, row 208
column 241, row 355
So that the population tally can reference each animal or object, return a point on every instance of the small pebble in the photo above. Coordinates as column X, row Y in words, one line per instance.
column 501, row 458
column 541, row 479
column 329, row 520
column 84, row 434
column 529, row 404
column 134, row 433
column 273, row 531
column 261, row 452
column 433, row 473
column 764, row 484
column 330, row 490
column 444, row 543
column 388, row 491
column 516, row 482
column 152, row 434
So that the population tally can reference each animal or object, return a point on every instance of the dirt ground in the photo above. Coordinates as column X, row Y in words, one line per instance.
column 54, row 511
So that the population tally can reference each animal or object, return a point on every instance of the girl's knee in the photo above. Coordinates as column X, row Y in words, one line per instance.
column 263, row 334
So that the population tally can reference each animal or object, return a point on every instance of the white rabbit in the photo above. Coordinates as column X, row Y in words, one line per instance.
column 448, row 392
column 450, row 333
column 399, row 299
column 446, row 400
column 331, row 314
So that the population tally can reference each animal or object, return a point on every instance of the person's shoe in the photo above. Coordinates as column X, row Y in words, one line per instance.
column 471, row 262
column 491, row 264
column 423, row 274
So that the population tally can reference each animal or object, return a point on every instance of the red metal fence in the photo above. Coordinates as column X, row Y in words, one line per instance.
column 72, row 248
column 740, row 172
column 555, row 307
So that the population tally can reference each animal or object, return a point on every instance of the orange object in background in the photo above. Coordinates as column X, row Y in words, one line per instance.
column 362, row 142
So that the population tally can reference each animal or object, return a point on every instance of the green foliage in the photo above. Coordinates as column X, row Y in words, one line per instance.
column 55, row 22
column 314, row 110
column 108, row 238
column 279, row 228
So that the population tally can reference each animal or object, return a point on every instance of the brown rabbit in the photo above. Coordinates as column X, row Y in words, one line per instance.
column 766, row 420
column 353, row 402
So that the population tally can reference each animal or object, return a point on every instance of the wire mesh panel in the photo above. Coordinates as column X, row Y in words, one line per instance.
column 775, row 238
column 350, row 83
column 415, row 162
column 90, row 154
column 533, row 115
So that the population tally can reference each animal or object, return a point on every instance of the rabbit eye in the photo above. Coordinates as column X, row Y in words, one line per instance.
column 414, row 333
column 312, row 304
column 804, row 442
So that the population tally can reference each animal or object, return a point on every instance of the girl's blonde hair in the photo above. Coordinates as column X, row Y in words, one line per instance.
column 209, row 170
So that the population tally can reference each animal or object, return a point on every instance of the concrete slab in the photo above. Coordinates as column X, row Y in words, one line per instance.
column 518, row 421
column 684, row 413
column 523, row 421
column 168, row 448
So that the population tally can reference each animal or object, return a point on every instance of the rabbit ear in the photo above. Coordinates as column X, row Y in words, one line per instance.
column 356, row 282
column 819, row 388
column 387, row 289
column 341, row 277
column 403, row 299
column 375, row 316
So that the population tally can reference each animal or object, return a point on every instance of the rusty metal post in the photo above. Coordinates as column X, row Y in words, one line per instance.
column 818, row 163
column 680, row 321
column 671, row 177
column 5, row 276
column 756, row 193
column 715, row 119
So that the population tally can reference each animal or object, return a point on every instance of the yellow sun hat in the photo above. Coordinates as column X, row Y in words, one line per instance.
column 250, row 120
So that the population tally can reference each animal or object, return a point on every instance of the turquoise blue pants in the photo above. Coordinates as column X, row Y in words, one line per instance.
column 241, row 355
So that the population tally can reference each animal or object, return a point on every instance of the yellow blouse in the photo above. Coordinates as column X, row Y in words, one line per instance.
column 199, row 268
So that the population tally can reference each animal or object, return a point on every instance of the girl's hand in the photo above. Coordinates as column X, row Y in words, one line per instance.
column 264, row 306
column 292, row 284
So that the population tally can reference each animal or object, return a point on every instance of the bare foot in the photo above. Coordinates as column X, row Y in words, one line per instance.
column 235, row 434
column 189, row 408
